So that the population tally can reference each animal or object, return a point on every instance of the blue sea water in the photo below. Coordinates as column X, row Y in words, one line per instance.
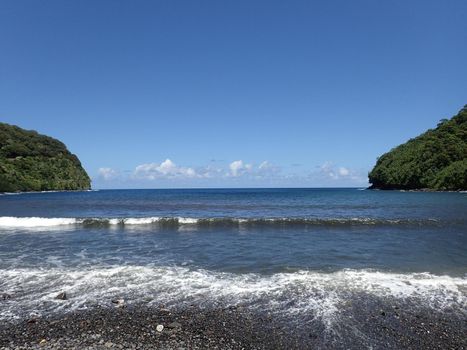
column 309, row 248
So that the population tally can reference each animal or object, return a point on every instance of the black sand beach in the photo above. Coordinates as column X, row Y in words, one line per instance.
column 364, row 322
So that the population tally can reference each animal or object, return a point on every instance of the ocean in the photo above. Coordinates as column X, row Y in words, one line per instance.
column 301, row 255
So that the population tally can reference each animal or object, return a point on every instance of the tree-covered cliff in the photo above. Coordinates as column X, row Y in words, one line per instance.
column 30, row 161
column 437, row 160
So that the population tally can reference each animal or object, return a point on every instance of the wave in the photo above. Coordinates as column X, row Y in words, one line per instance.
column 50, row 191
column 32, row 222
column 292, row 294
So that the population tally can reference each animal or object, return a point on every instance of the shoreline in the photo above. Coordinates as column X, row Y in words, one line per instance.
column 365, row 322
column 427, row 190
column 423, row 190
column 51, row 191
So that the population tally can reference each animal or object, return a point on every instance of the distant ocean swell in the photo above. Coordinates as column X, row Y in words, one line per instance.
column 33, row 290
column 31, row 222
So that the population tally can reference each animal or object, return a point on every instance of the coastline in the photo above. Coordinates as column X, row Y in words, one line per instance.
column 360, row 189
column 383, row 323
column 51, row 191
column 429, row 190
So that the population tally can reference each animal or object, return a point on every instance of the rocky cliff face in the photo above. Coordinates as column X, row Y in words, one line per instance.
column 30, row 161
column 435, row 160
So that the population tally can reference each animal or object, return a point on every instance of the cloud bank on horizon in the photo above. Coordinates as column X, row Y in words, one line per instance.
column 237, row 173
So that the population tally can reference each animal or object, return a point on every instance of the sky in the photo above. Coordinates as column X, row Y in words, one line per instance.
column 169, row 93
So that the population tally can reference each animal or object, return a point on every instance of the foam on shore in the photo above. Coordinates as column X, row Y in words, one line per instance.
column 33, row 291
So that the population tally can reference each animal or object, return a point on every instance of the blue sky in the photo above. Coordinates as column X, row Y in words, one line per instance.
column 231, row 93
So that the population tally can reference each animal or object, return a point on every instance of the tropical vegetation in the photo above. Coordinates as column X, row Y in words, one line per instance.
column 30, row 161
column 436, row 160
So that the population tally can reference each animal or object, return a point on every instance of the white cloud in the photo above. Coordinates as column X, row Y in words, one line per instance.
column 238, row 168
column 235, row 167
column 264, row 170
column 167, row 169
column 222, row 173
column 343, row 171
column 210, row 171
column 264, row 165
column 330, row 172
column 107, row 173
column 327, row 169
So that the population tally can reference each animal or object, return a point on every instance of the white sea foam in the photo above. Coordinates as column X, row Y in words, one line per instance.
column 115, row 221
column 140, row 221
column 11, row 221
column 187, row 221
column 293, row 294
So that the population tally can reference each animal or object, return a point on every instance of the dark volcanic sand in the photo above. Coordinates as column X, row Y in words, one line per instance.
column 363, row 323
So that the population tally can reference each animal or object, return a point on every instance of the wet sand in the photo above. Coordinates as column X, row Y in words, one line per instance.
column 363, row 322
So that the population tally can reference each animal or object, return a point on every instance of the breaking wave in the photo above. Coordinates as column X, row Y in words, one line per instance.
column 33, row 290
column 32, row 222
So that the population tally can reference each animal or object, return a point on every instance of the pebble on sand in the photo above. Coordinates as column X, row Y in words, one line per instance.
column 159, row 328
column 119, row 302
column 61, row 296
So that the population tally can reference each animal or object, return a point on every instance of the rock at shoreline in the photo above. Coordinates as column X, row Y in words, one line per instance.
column 119, row 302
column 61, row 296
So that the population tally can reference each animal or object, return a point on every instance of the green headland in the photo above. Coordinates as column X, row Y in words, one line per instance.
column 434, row 160
column 30, row 161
